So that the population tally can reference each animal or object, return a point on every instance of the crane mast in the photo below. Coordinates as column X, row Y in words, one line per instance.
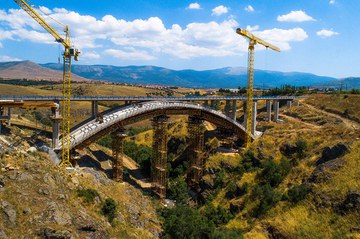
column 253, row 40
column 69, row 52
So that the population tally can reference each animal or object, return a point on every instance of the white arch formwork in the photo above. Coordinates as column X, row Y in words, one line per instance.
column 93, row 127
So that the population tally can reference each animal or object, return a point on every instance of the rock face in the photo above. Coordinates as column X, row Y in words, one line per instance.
column 322, row 172
column 9, row 211
column 337, row 151
column 351, row 203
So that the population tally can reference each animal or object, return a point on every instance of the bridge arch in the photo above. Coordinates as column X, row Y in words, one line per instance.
column 91, row 130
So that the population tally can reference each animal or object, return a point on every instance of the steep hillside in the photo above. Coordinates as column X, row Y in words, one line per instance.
column 39, row 199
column 31, row 71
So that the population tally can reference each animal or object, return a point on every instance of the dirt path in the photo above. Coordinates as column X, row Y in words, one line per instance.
column 309, row 125
column 349, row 123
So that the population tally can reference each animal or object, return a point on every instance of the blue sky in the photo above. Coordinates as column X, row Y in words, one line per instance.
column 316, row 36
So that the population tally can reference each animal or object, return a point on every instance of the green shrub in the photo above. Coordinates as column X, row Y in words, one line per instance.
column 217, row 215
column 274, row 173
column 298, row 193
column 108, row 209
column 88, row 194
column 268, row 198
column 301, row 147
column 250, row 162
column 177, row 190
column 184, row 222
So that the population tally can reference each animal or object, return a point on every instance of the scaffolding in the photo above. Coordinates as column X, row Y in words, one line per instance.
column 159, row 158
column 118, row 138
column 195, row 151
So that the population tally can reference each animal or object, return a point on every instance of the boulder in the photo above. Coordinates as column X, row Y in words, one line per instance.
column 49, row 232
column 323, row 172
column 329, row 154
column 9, row 211
column 351, row 203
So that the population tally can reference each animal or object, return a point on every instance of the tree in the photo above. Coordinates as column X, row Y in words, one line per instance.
column 109, row 208
column 177, row 190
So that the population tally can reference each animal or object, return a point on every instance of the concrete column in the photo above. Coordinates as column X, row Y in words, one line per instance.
column 206, row 103
column 245, row 116
column 276, row 110
column 296, row 103
column 288, row 104
column 56, row 119
column 212, row 103
column 253, row 118
column 233, row 116
column 268, row 110
column 9, row 115
column 94, row 108
column 1, row 113
column 227, row 108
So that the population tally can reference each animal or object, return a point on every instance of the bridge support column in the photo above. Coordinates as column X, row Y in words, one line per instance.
column 212, row 103
column 227, row 108
column 276, row 110
column 9, row 116
column 206, row 103
column 268, row 110
column 118, row 138
column 234, row 108
column 159, row 160
column 288, row 104
column 56, row 119
column 296, row 103
column 195, row 151
column 1, row 120
column 253, row 120
column 245, row 116
column 94, row 108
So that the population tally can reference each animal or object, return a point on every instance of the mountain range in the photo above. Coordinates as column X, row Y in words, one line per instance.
column 229, row 77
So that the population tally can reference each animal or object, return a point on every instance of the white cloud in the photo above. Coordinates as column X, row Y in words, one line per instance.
column 142, row 39
column 8, row 58
column 281, row 37
column 332, row 2
column 90, row 55
column 131, row 54
column 252, row 28
column 219, row 10
column 326, row 33
column 295, row 16
column 194, row 6
column 45, row 10
column 249, row 8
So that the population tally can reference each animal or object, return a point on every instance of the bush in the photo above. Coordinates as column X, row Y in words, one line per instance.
column 301, row 147
column 88, row 194
column 217, row 215
column 184, row 222
column 274, row 173
column 108, row 209
column 177, row 190
column 268, row 198
column 298, row 193
column 250, row 162
column 228, row 233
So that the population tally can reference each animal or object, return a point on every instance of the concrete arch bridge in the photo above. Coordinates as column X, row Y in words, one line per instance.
column 113, row 121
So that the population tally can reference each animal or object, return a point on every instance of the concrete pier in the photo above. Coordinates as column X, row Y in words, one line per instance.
column 254, row 114
column 276, row 110
column 227, row 108
column 234, row 108
column 56, row 119
column 94, row 108
column 268, row 110
column 288, row 104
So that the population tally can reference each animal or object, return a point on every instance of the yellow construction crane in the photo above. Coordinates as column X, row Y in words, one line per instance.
column 69, row 52
column 253, row 40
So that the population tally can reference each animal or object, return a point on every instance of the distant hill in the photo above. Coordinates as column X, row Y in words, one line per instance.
column 346, row 83
column 229, row 77
column 32, row 71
